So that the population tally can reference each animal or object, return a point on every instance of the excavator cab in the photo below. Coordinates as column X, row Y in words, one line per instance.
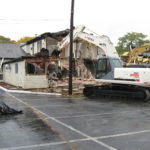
column 105, row 67
column 116, row 88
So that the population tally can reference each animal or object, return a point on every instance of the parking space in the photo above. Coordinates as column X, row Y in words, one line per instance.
column 58, row 123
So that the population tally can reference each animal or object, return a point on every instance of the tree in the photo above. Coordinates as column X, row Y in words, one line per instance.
column 131, row 40
column 25, row 39
column 6, row 40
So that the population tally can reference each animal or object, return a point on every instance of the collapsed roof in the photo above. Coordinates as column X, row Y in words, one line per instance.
column 56, row 35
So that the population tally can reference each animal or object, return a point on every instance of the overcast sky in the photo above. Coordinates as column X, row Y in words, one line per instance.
column 114, row 18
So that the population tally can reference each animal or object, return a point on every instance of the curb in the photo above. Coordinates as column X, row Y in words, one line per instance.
column 28, row 92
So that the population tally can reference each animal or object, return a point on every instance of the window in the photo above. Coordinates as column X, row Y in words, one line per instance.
column 103, row 68
column 35, row 68
column 16, row 68
column 117, row 63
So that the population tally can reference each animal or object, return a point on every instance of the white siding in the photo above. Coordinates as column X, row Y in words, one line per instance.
column 43, row 43
column 20, row 79
column 11, row 77
column 51, row 44
column 35, row 81
column 28, row 48
column 35, row 49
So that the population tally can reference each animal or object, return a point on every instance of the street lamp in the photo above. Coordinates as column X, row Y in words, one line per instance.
column 71, row 47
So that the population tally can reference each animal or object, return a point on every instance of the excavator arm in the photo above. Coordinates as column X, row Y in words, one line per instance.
column 103, row 42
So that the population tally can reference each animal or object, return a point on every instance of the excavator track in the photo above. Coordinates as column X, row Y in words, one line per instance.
column 117, row 90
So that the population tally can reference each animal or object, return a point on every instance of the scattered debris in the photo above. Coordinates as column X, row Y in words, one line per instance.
column 5, row 109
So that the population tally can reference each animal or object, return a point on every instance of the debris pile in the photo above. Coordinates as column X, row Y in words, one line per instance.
column 61, row 86
column 5, row 109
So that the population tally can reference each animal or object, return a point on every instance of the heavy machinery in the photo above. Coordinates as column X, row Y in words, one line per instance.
column 81, row 33
column 139, row 55
column 111, row 78
column 87, row 48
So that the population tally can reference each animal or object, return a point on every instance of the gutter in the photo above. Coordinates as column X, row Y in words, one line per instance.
column 28, row 92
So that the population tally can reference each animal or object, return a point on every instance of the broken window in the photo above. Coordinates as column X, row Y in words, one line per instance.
column 30, row 68
column 39, row 68
column 35, row 68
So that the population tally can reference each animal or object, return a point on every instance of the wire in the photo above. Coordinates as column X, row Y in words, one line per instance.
column 23, row 20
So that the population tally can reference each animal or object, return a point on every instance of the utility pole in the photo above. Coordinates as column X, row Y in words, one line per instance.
column 71, row 47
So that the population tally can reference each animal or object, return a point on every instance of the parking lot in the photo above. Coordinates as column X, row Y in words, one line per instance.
column 59, row 123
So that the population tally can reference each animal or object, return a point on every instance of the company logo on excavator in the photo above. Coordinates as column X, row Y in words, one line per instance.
column 135, row 75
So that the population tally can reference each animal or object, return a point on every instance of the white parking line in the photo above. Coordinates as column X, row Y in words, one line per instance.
column 122, row 134
column 76, row 140
column 28, row 92
column 45, row 144
column 65, row 125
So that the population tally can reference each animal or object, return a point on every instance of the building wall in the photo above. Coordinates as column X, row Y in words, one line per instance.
column 85, row 56
column 51, row 44
column 21, row 79
column 11, row 76
column 43, row 41
column 28, row 48
column 2, row 61
column 47, row 43
column 35, row 49
column 35, row 81
column 82, row 50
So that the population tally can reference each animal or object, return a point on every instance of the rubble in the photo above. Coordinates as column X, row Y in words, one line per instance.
column 61, row 86
column 5, row 109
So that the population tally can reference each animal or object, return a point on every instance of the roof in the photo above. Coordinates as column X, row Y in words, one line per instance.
column 18, row 59
column 56, row 35
column 10, row 50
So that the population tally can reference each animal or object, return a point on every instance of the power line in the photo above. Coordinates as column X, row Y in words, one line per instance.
column 24, row 20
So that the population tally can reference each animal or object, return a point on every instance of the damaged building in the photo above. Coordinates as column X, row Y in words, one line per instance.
column 44, row 41
column 47, row 59
column 39, row 65
column 30, row 72
column 87, row 48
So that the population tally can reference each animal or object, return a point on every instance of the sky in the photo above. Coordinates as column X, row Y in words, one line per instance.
column 114, row 18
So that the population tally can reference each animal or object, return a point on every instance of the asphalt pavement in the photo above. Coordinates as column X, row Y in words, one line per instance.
column 59, row 123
